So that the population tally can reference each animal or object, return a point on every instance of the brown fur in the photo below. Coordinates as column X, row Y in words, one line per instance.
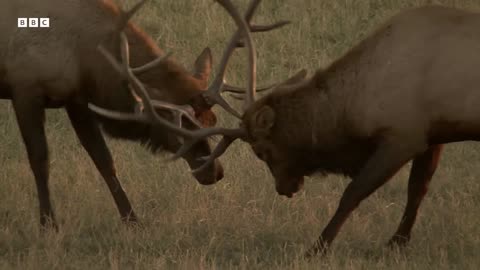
column 60, row 66
column 398, row 95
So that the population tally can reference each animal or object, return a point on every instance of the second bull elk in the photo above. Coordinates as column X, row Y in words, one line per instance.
column 67, row 65
column 398, row 95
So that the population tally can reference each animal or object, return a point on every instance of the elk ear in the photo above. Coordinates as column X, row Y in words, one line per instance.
column 264, row 119
column 203, row 65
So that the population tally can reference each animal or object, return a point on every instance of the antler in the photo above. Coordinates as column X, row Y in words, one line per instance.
column 143, row 113
column 214, row 91
column 239, row 90
column 125, row 17
column 137, row 89
column 297, row 78
column 213, row 94
column 148, row 114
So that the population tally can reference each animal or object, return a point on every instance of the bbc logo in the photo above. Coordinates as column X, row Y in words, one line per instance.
column 33, row 22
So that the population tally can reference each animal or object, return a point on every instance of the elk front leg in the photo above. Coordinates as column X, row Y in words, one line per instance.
column 384, row 163
column 93, row 142
column 423, row 168
column 30, row 116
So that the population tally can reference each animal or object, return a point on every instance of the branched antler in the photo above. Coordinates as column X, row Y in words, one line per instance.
column 147, row 108
column 213, row 94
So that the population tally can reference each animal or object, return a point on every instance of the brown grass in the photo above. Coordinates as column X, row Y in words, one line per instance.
column 240, row 222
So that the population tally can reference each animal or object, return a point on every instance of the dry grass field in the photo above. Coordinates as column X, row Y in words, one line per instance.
column 240, row 222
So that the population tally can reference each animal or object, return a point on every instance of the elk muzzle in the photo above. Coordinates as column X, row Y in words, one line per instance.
column 210, row 174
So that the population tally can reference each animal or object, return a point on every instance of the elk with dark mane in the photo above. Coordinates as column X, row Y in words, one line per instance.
column 64, row 66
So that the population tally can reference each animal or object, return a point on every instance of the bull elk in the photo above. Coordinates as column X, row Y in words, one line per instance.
column 398, row 95
column 68, row 66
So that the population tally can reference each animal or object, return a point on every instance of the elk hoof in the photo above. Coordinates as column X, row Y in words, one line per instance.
column 316, row 250
column 131, row 220
column 135, row 226
column 48, row 224
column 399, row 241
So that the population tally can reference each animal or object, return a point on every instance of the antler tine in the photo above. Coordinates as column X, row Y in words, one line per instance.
column 124, row 51
column 122, row 22
column 252, row 56
column 214, row 91
column 125, row 54
column 297, row 78
column 179, row 111
column 126, row 16
column 150, row 65
column 138, row 91
column 251, row 9
column 261, row 28
column 221, row 147
column 265, row 28
column 219, row 85
column 258, row 28
column 111, row 59
column 240, row 90
column 199, row 134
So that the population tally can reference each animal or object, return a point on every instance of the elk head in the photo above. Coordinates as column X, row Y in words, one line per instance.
column 193, row 112
column 260, row 130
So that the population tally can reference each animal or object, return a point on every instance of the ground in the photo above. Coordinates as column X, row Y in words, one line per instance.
column 240, row 222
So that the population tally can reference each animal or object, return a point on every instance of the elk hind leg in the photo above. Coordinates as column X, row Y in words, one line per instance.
column 92, row 140
column 30, row 114
column 384, row 163
column 423, row 168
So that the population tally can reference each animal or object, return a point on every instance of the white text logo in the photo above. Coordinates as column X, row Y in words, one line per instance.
column 33, row 22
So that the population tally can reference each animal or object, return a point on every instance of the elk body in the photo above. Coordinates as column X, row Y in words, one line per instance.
column 63, row 67
column 399, row 95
